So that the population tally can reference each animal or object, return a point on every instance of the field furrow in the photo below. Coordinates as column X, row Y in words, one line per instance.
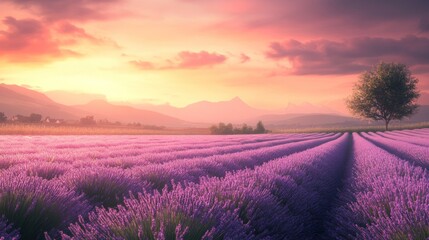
column 288, row 186
column 405, row 138
column 414, row 153
column 279, row 199
column 159, row 175
column 385, row 197
column 129, row 157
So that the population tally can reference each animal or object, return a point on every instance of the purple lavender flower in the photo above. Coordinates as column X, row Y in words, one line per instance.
column 35, row 206
column 103, row 186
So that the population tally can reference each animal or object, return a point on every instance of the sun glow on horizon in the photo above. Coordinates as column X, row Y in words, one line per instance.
column 133, row 51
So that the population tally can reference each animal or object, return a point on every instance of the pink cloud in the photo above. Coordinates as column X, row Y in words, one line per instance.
column 29, row 40
column 308, row 18
column 81, row 10
column 188, row 59
column 143, row 65
column 185, row 60
column 351, row 55
column 70, row 30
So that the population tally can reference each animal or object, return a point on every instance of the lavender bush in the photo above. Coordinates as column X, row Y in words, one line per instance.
column 34, row 206
column 103, row 186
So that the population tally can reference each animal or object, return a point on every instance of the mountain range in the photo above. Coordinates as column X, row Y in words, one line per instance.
column 234, row 110
column 101, row 109
column 20, row 100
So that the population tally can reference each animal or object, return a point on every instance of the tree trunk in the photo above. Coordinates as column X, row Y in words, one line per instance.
column 387, row 125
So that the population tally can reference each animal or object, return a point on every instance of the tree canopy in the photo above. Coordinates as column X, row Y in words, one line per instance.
column 386, row 92
column 3, row 117
column 223, row 128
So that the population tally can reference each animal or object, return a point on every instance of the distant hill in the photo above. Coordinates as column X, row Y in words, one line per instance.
column 422, row 115
column 306, row 120
column 308, row 108
column 234, row 111
column 19, row 100
column 329, row 120
column 72, row 98
column 104, row 110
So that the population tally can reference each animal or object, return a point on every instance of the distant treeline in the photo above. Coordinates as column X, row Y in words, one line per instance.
column 225, row 129
column 36, row 118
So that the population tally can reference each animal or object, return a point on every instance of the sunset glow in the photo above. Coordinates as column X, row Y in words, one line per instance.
column 269, row 53
column 214, row 119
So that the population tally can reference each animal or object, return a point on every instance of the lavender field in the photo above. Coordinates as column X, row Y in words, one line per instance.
column 288, row 186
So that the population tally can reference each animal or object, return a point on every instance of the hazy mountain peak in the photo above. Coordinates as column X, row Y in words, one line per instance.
column 20, row 100
column 16, row 99
column 29, row 93
column 237, row 100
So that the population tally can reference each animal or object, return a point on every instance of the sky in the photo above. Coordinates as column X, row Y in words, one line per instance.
column 269, row 53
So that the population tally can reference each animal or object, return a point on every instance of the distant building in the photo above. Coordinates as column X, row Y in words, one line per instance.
column 50, row 120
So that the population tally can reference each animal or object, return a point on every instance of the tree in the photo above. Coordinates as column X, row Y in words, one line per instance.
column 229, row 129
column 88, row 120
column 35, row 118
column 260, row 128
column 223, row 128
column 386, row 92
column 22, row 119
column 3, row 117
column 214, row 129
column 246, row 129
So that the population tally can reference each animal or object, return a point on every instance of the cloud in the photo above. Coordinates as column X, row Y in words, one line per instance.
column 81, row 10
column 329, row 17
column 244, row 58
column 185, row 60
column 143, row 65
column 188, row 59
column 351, row 55
column 29, row 40
column 77, row 33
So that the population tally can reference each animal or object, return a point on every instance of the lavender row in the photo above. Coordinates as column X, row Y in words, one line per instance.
column 277, row 200
column 191, row 170
column 163, row 157
column 114, row 142
column 86, row 158
column 385, row 197
column 57, row 145
column 43, row 202
column 285, row 198
column 72, row 156
column 51, row 144
column 414, row 153
column 412, row 133
column 106, row 187
column 406, row 138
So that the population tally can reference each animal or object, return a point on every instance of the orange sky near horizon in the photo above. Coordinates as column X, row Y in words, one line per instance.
column 268, row 53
